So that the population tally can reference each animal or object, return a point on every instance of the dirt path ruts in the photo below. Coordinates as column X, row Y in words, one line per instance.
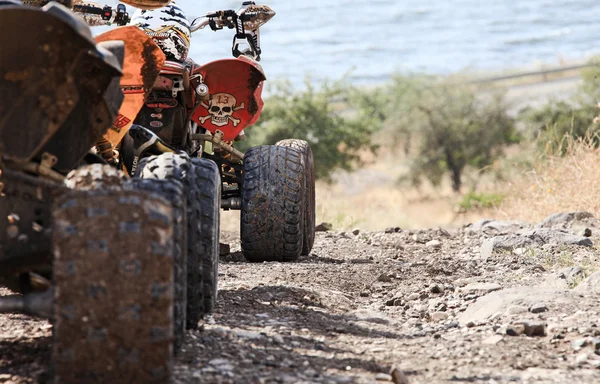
column 362, row 304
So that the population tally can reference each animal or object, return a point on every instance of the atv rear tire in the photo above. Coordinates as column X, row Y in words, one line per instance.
column 95, row 176
column 309, row 192
column 113, row 295
column 201, row 182
column 273, row 198
column 172, row 191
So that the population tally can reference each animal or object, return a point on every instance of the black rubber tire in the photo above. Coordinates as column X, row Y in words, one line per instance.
column 95, row 176
column 102, row 176
column 172, row 191
column 309, row 191
column 202, row 190
column 209, row 203
column 113, row 287
column 272, row 215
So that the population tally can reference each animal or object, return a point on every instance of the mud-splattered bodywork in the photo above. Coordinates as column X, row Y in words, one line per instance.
column 59, row 94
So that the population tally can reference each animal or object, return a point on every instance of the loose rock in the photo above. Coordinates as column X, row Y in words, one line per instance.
column 398, row 377
column 493, row 340
column 561, row 219
column 481, row 288
column 538, row 308
column 589, row 285
column 383, row 377
column 434, row 244
column 439, row 316
column 566, row 278
column 323, row 227
column 515, row 330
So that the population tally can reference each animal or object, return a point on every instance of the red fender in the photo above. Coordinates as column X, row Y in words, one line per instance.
column 235, row 87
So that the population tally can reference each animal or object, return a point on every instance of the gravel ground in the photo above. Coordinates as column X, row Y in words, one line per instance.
column 492, row 302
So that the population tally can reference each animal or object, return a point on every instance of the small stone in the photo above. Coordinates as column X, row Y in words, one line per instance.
column 224, row 249
column 534, row 328
column 323, row 227
column 384, row 278
column 470, row 324
column 481, row 288
column 414, row 296
column 389, row 230
column 492, row 340
column 383, row 377
column 434, row 244
column 586, row 232
column 249, row 335
column 538, row 308
column 590, row 285
column 398, row 377
column 579, row 344
column 515, row 330
column 221, row 364
column 278, row 339
column 516, row 309
column 356, row 232
column 436, row 288
column 582, row 358
column 562, row 218
column 365, row 294
column 439, row 316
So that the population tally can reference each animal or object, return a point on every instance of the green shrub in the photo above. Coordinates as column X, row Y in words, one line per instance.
column 472, row 201
column 454, row 126
column 555, row 121
column 336, row 120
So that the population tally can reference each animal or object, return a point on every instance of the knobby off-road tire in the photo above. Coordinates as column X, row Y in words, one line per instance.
column 102, row 176
column 201, row 182
column 209, row 204
column 309, row 192
column 113, row 295
column 172, row 191
column 95, row 176
column 272, row 216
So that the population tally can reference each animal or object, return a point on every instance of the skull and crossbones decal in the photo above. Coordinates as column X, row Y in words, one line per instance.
column 221, row 107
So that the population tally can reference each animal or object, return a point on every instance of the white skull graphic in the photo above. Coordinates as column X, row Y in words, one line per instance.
column 221, row 108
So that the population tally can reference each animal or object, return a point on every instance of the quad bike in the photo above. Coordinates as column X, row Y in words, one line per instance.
column 186, row 131
column 97, row 254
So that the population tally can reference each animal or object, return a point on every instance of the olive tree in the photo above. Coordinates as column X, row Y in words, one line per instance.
column 455, row 126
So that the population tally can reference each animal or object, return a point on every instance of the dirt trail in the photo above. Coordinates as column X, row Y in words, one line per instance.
column 436, row 305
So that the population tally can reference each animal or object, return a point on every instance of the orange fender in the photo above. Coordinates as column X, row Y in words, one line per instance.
column 142, row 64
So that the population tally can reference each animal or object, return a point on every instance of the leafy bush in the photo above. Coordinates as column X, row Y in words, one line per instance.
column 555, row 121
column 336, row 120
column 455, row 125
column 473, row 200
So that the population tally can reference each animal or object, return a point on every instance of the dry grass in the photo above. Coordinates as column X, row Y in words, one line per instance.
column 371, row 199
column 557, row 184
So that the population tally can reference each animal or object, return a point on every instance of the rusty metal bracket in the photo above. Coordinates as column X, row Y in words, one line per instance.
column 217, row 139
column 44, row 168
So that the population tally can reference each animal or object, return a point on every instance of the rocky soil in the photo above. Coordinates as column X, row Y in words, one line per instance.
column 491, row 302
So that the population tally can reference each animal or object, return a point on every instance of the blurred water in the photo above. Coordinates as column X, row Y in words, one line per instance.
column 368, row 40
